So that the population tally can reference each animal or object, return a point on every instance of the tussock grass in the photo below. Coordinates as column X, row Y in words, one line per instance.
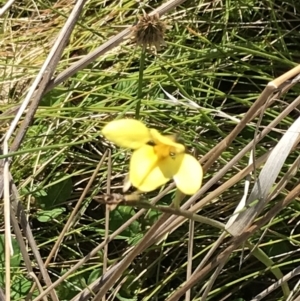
column 221, row 55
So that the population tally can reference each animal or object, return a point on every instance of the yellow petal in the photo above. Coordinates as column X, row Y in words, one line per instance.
column 144, row 171
column 129, row 133
column 166, row 140
column 189, row 174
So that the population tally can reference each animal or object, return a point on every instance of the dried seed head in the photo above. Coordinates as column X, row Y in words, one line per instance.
column 150, row 31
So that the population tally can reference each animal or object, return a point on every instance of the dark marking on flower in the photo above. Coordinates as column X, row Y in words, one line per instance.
column 151, row 143
column 172, row 155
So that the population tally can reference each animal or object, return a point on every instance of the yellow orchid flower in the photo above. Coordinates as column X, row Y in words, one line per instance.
column 156, row 158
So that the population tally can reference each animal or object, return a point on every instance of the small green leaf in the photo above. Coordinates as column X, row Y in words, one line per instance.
column 135, row 239
column 20, row 287
column 68, row 289
column 40, row 193
column 15, row 260
column 57, row 193
column 95, row 274
column 129, row 287
column 47, row 215
column 119, row 216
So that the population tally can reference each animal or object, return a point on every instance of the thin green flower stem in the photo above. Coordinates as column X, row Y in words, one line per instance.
column 140, row 84
column 179, row 196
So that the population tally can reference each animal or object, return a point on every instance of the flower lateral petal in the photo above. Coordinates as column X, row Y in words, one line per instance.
column 129, row 133
column 160, row 139
column 188, row 177
column 144, row 171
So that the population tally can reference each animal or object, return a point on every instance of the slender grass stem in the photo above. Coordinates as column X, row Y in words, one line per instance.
column 140, row 84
